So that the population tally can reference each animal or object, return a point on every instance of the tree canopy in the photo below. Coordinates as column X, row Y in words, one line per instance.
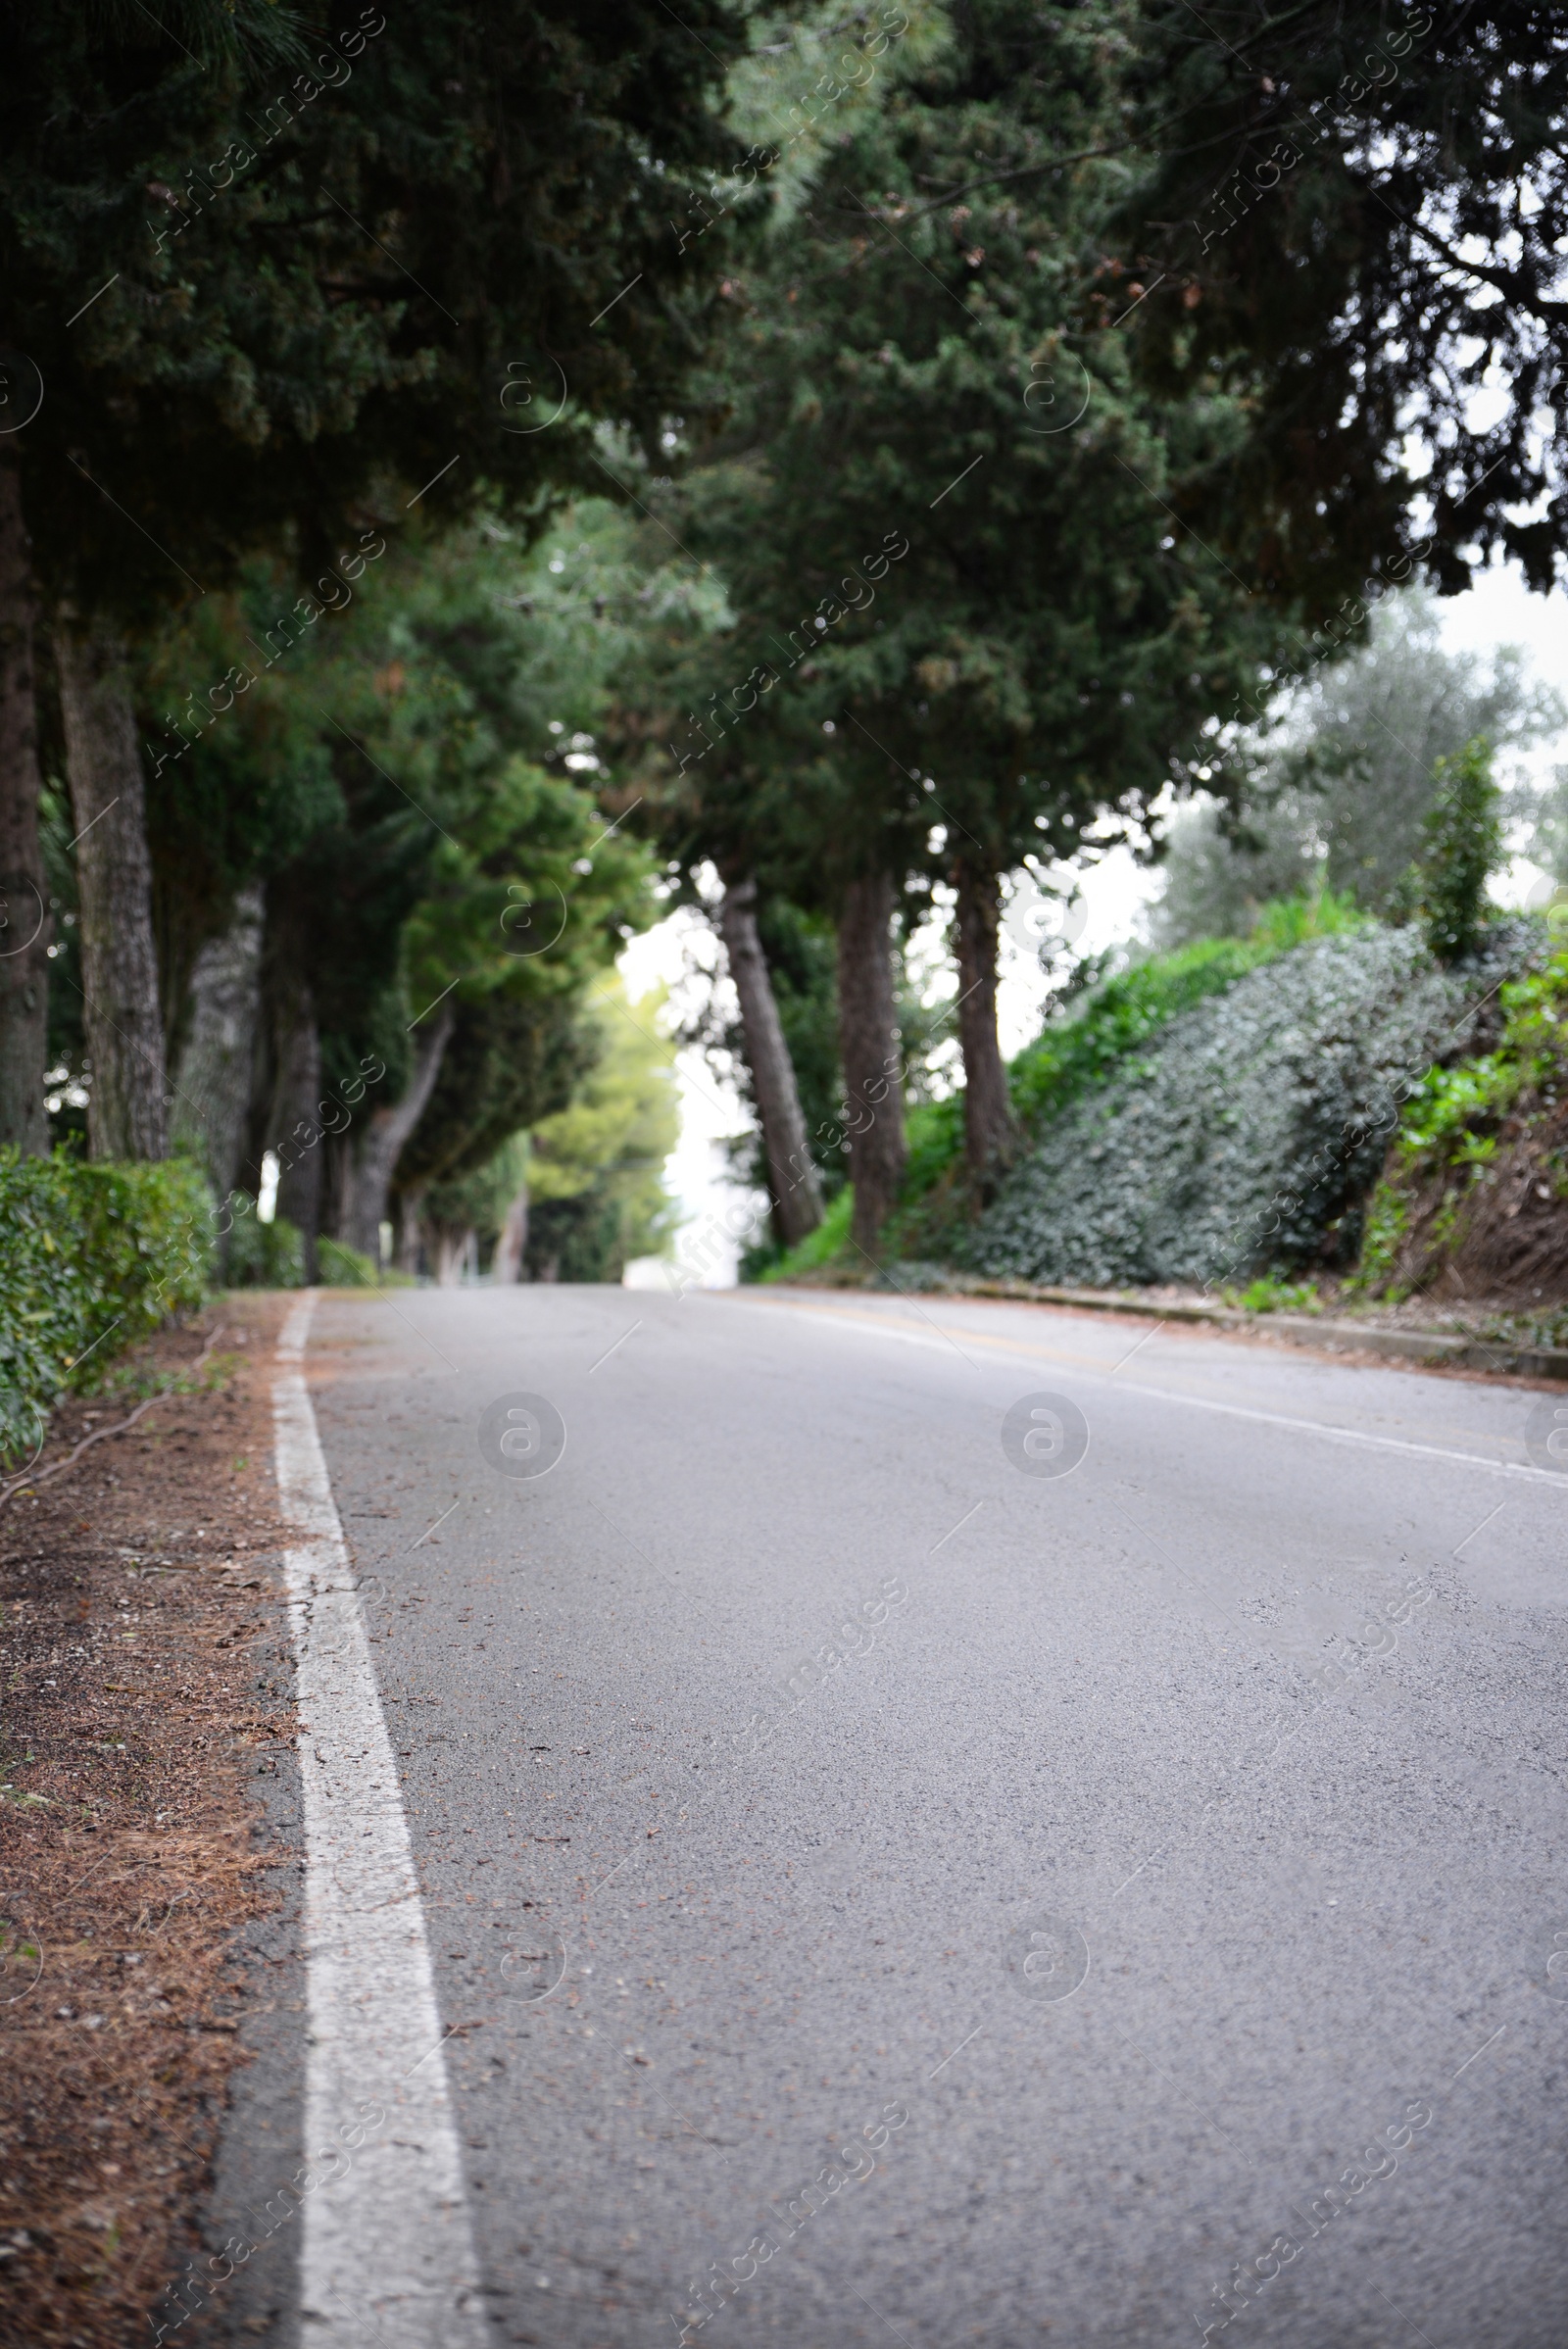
column 290, row 280
column 1354, row 216
column 517, row 468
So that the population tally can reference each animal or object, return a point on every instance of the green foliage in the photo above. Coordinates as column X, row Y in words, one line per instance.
column 1247, row 1134
column 1449, row 1129
column 959, row 624
column 1289, row 162
column 1120, row 1016
column 1219, row 867
column 235, row 805
column 1356, row 768
column 265, row 1256
column 1108, row 1032
column 1098, row 1035
column 396, row 770
column 1073, row 1055
column 936, row 1142
column 1339, row 789
column 1268, row 1295
column 92, row 1257
column 1549, row 841
column 308, row 284
column 802, row 955
column 821, row 1248
column 1464, row 834
column 802, row 962
column 1384, row 1229
column 348, row 1268
column 596, row 1194
column 1316, row 913
column 271, row 1255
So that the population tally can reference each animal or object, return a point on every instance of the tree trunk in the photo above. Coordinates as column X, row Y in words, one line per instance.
column 127, row 1103
column 217, row 1063
column 513, row 1239
column 990, row 1135
column 25, row 929
column 410, row 1208
column 791, row 1173
column 297, row 1131
column 385, row 1133
column 338, row 1184
column 451, row 1256
column 868, row 1046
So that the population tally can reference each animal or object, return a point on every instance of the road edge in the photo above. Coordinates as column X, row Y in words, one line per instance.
column 388, row 2245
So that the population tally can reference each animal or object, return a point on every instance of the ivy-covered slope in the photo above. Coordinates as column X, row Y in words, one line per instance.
column 1115, row 1020
column 1250, row 1130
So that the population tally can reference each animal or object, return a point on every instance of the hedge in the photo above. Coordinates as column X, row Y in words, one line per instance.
column 92, row 1256
column 271, row 1255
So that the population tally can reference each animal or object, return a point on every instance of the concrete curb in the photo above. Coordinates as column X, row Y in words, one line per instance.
column 1302, row 1329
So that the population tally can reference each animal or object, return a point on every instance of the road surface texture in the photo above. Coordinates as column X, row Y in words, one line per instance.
column 932, row 1822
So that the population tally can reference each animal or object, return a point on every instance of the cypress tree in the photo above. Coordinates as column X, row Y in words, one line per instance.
column 276, row 293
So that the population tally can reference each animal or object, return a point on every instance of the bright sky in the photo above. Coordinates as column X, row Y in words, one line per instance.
column 684, row 953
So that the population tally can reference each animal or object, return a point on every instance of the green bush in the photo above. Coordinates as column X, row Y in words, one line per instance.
column 820, row 1246
column 343, row 1267
column 91, row 1259
column 271, row 1255
column 1198, row 1116
column 265, row 1256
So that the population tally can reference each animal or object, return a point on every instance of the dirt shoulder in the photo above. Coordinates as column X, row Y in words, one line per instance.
column 146, row 1677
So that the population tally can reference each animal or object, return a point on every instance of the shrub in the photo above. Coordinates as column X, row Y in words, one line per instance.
column 818, row 1247
column 92, row 1256
column 265, row 1256
column 343, row 1267
column 271, row 1255
column 1463, row 849
column 1206, row 1115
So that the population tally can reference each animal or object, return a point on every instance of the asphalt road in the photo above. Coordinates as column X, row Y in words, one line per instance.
column 976, row 1879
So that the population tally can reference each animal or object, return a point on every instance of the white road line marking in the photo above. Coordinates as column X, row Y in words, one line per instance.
column 388, row 2244
column 872, row 1324
column 1338, row 1434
